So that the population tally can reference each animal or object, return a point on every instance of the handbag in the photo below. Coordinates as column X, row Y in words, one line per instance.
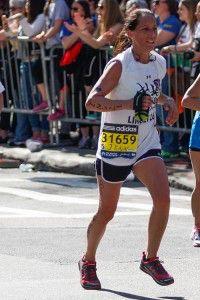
column 69, row 60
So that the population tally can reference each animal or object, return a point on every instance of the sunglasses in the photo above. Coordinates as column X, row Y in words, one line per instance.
column 75, row 8
column 101, row 7
column 157, row 2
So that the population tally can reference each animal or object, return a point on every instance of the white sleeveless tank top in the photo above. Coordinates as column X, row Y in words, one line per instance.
column 123, row 136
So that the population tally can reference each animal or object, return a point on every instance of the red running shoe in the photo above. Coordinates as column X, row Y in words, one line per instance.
column 154, row 268
column 89, row 279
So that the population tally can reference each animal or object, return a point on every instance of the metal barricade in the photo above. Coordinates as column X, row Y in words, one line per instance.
column 72, row 87
column 74, row 114
column 21, row 93
column 178, row 81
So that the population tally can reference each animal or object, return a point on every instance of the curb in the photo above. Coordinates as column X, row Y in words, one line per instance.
column 74, row 161
column 180, row 186
column 79, row 163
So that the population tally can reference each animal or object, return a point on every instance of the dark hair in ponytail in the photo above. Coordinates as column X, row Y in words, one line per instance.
column 123, row 42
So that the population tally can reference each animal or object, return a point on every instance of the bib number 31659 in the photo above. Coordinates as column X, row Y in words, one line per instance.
column 119, row 141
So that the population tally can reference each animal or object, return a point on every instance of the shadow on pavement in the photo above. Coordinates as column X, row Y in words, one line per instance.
column 129, row 296
column 174, row 298
column 137, row 297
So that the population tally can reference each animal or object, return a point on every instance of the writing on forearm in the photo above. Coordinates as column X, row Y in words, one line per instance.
column 103, row 107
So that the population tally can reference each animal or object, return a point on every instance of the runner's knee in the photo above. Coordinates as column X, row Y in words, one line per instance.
column 106, row 215
column 161, row 202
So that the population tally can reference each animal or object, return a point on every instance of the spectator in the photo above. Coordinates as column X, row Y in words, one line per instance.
column 56, row 13
column 10, row 26
column 93, row 12
column 181, row 79
column 16, row 6
column 110, row 22
column 186, row 11
column 168, row 28
column 31, row 23
column 196, row 46
column 79, row 9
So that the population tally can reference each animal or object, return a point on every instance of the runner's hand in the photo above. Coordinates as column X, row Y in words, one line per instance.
column 172, row 115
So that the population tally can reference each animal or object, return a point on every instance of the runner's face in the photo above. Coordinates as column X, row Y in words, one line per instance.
column 145, row 34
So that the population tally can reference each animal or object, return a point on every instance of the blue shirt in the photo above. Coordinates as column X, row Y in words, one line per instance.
column 171, row 24
column 64, row 31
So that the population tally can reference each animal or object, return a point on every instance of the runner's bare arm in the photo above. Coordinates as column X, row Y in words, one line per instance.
column 97, row 100
column 191, row 98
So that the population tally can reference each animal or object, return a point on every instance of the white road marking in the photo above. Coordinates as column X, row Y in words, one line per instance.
column 136, row 192
column 47, row 215
column 142, row 209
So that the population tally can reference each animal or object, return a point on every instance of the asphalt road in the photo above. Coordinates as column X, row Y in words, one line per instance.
column 43, row 221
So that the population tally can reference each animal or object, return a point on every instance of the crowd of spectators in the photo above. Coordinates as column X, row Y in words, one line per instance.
column 83, row 28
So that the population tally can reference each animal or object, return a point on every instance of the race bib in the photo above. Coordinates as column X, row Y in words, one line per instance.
column 118, row 140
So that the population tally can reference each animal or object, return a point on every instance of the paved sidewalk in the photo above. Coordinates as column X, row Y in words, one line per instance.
column 73, row 160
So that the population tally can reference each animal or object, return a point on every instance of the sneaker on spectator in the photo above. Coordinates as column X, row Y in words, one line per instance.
column 34, row 145
column 89, row 279
column 167, row 154
column 154, row 268
column 84, row 143
column 41, row 107
column 195, row 237
column 184, row 151
column 44, row 139
column 94, row 143
column 13, row 143
column 91, row 116
column 59, row 113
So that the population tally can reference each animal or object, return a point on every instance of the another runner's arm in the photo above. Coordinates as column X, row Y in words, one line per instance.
column 97, row 100
column 191, row 98
column 170, row 106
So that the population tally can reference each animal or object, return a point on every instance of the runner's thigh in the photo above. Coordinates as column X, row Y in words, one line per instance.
column 153, row 174
column 108, row 193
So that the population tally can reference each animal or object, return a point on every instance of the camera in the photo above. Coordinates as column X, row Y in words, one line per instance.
column 188, row 54
column 196, row 44
column 195, row 47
